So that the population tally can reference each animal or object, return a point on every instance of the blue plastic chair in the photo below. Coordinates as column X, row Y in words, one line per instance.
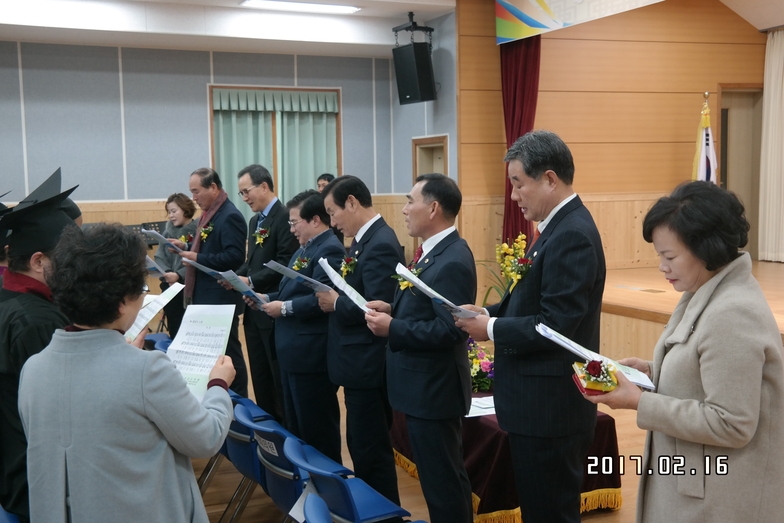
column 316, row 510
column 350, row 500
column 151, row 340
column 163, row 345
column 7, row 517
column 285, row 480
column 241, row 450
column 212, row 465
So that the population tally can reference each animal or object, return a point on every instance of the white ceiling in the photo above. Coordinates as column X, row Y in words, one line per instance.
column 221, row 25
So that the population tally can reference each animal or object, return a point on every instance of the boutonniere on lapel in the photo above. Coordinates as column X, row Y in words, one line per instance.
column 186, row 239
column 404, row 283
column 301, row 263
column 511, row 258
column 347, row 266
column 261, row 234
column 205, row 231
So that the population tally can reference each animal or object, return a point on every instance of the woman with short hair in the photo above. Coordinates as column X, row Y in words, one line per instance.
column 716, row 420
column 111, row 428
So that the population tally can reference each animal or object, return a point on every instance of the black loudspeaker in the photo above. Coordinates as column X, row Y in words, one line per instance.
column 414, row 72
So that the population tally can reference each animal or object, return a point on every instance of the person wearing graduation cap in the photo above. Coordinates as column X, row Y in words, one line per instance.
column 28, row 319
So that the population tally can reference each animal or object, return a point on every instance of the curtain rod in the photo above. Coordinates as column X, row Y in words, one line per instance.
column 769, row 29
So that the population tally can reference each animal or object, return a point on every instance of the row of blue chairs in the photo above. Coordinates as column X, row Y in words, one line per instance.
column 267, row 454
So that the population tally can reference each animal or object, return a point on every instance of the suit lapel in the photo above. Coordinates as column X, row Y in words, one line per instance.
column 429, row 260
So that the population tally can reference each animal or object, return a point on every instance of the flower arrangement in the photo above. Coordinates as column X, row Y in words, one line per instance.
column 205, row 231
column 261, row 234
column 482, row 367
column 596, row 376
column 404, row 283
column 300, row 263
column 347, row 266
column 186, row 239
column 511, row 258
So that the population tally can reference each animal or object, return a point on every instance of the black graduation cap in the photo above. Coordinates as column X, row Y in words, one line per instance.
column 35, row 227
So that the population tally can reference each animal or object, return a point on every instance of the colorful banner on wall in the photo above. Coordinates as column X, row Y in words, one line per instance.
column 516, row 19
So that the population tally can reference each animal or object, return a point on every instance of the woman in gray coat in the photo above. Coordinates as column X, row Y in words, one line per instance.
column 111, row 428
column 716, row 420
column 181, row 225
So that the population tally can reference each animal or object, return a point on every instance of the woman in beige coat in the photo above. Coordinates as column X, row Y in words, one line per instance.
column 716, row 421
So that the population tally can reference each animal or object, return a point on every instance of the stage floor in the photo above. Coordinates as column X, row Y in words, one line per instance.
column 645, row 294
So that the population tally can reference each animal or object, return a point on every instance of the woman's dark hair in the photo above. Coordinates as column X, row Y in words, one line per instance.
column 310, row 204
column 709, row 220
column 183, row 202
column 208, row 177
column 343, row 187
column 441, row 189
column 94, row 271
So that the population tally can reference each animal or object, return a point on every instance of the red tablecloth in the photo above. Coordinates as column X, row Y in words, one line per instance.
column 489, row 465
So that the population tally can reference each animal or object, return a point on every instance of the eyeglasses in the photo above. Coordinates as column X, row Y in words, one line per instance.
column 145, row 289
column 244, row 193
column 293, row 223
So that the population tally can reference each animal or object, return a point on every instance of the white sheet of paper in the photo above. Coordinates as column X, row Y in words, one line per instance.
column 297, row 511
column 341, row 284
column 203, row 268
column 481, row 407
column 635, row 376
column 151, row 309
column 153, row 267
column 202, row 337
column 161, row 239
column 317, row 286
column 455, row 310
column 241, row 287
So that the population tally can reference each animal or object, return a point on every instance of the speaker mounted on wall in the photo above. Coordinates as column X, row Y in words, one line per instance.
column 414, row 73
column 413, row 66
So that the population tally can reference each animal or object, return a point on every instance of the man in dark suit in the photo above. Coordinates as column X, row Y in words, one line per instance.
column 355, row 357
column 309, row 398
column 219, row 245
column 550, row 425
column 428, row 376
column 269, row 238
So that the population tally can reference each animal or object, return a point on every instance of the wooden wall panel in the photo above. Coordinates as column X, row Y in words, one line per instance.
column 482, row 117
column 621, row 117
column 475, row 17
column 627, row 168
column 619, row 220
column 670, row 21
column 624, row 337
column 129, row 212
column 390, row 206
column 483, row 171
column 607, row 66
column 480, row 63
column 479, row 223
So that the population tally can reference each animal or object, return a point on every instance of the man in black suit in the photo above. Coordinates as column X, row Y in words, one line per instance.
column 220, row 245
column 355, row 357
column 309, row 399
column 428, row 376
column 550, row 425
column 269, row 238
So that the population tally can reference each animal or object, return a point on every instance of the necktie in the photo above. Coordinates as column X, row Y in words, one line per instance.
column 262, row 217
column 417, row 255
column 353, row 243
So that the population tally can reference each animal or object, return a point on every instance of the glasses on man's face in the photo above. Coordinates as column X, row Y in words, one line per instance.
column 294, row 223
column 244, row 193
column 145, row 289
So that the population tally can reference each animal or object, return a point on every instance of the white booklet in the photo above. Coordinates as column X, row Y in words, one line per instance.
column 161, row 239
column 154, row 268
column 635, row 376
column 202, row 337
column 341, row 284
column 203, row 268
column 481, row 407
column 317, row 286
column 458, row 312
column 152, row 308
column 241, row 287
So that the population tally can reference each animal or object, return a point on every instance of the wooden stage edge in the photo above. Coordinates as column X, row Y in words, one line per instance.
column 643, row 294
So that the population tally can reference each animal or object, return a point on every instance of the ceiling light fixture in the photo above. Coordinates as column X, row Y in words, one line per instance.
column 300, row 7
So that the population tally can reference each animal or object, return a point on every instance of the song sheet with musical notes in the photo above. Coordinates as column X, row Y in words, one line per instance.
column 202, row 337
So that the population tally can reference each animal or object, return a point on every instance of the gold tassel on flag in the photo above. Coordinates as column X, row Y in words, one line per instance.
column 705, row 165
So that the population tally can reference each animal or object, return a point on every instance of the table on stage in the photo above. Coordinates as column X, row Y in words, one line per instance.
column 488, row 463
